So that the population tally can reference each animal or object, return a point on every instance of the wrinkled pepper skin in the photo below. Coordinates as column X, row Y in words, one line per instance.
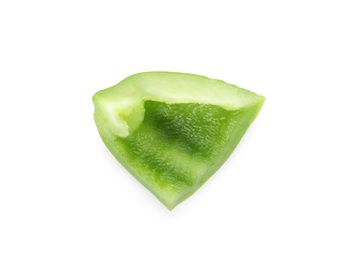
column 173, row 131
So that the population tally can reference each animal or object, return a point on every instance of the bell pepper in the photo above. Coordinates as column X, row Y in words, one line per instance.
column 173, row 131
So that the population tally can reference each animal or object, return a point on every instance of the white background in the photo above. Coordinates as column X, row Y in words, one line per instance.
column 285, row 193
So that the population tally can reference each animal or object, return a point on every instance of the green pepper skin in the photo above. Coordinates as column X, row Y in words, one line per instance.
column 173, row 131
